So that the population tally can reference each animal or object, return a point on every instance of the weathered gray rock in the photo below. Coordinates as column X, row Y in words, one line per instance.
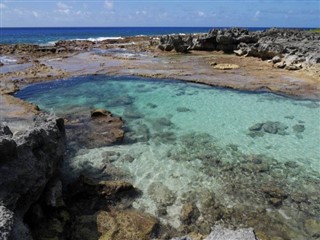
column 221, row 233
column 28, row 162
column 6, row 222
column 293, row 48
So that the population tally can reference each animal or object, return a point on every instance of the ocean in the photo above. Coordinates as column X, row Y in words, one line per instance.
column 46, row 36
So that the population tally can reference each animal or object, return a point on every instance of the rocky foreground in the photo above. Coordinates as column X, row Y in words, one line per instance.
column 32, row 202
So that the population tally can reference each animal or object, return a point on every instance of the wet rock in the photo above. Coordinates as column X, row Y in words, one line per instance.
column 274, row 127
column 312, row 226
column 102, row 129
column 128, row 224
column 131, row 113
column 5, row 130
column 183, row 109
column 275, row 195
column 152, row 105
column 298, row 128
column 163, row 122
column 270, row 127
column 189, row 213
column 161, row 194
column 100, row 113
column 85, row 186
column 165, row 137
column 128, row 158
column 256, row 127
column 221, row 233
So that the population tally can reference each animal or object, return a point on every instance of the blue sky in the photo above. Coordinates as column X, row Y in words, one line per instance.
column 212, row 13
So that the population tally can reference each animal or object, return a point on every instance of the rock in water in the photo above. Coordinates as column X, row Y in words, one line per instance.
column 221, row 233
column 161, row 194
column 127, row 224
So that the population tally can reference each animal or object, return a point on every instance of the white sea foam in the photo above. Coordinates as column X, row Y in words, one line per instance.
column 98, row 39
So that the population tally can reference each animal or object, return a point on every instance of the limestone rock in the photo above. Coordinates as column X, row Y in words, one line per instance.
column 102, row 129
column 34, row 157
column 312, row 226
column 189, row 213
column 161, row 194
column 127, row 224
column 221, row 233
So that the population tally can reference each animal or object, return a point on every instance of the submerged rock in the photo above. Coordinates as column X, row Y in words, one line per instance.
column 161, row 194
column 189, row 213
column 221, row 233
column 102, row 129
column 298, row 128
column 127, row 224
column 269, row 127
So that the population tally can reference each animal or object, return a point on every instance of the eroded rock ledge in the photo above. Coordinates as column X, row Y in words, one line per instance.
column 290, row 49
column 29, row 160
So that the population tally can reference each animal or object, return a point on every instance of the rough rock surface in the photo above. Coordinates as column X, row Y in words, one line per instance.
column 221, row 233
column 290, row 49
column 28, row 161
column 101, row 129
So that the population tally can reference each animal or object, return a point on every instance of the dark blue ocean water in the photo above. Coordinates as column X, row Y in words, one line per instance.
column 50, row 35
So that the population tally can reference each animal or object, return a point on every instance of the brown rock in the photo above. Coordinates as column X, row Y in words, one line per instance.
column 312, row 227
column 189, row 213
column 127, row 224
column 109, row 188
column 100, row 112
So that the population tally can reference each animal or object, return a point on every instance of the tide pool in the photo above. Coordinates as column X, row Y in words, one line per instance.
column 187, row 142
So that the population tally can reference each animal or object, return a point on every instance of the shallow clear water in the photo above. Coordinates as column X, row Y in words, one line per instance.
column 183, row 136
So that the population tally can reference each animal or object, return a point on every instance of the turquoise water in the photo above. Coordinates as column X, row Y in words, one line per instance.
column 188, row 140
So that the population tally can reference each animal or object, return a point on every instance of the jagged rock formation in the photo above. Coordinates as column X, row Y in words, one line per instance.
column 290, row 49
column 29, row 160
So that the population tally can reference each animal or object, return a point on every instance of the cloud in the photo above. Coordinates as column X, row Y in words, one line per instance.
column 108, row 4
column 2, row 6
column 141, row 12
column 201, row 14
column 35, row 14
column 63, row 8
column 256, row 15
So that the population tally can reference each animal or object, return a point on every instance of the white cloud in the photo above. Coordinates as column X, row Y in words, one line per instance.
column 63, row 8
column 141, row 12
column 2, row 6
column 108, row 4
column 201, row 14
column 18, row 11
column 61, row 5
column 257, row 14
column 35, row 14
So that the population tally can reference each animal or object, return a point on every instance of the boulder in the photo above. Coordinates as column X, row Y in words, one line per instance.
column 102, row 129
column 28, row 162
column 161, row 194
column 127, row 224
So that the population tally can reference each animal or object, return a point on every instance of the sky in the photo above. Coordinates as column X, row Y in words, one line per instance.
column 153, row 13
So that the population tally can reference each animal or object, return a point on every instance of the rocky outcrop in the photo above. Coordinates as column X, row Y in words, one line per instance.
column 290, row 49
column 99, row 129
column 28, row 162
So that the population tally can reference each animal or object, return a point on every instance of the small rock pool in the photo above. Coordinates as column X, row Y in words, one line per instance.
column 242, row 158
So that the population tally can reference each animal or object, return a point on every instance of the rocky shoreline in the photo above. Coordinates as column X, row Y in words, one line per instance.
column 32, row 192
